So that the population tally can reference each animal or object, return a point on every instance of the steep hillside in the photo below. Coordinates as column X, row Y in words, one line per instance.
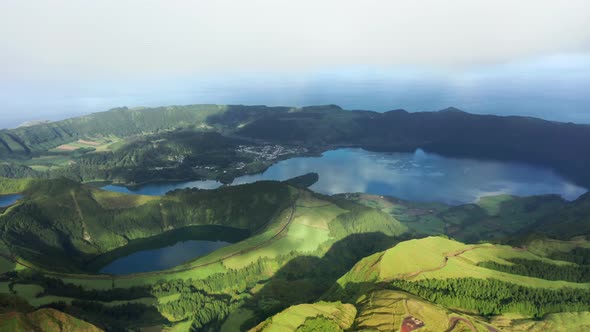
column 292, row 246
column 388, row 310
column 300, row 243
column 378, row 310
column 319, row 316
column 46, row 320
column 74, row 224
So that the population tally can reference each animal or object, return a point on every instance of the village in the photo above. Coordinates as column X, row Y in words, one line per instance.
column 270, row 152
column 259, row 153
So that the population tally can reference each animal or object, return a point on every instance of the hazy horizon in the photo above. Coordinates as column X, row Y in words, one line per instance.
column 549, row 87
column 64, row 58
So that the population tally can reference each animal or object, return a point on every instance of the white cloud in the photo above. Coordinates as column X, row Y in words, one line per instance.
column 113, row 38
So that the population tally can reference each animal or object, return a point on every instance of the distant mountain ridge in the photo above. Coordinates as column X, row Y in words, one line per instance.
column 561, row 146
column 33, row 123
column 122, row 122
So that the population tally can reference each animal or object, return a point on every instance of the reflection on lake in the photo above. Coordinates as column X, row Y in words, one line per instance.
column 7, row 200
column 162, row 258
column 418, row 176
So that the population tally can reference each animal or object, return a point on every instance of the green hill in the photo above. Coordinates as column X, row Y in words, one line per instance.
column 74, row 224
column 47, row 320
column 291, row 247
column 438, row 284
column 441, row 258
column 299, row 243
column 311, row 317
column 483, row 279
column 389, row 310
column 119, row 122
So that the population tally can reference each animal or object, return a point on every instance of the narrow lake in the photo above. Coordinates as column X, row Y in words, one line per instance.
column 7, row 200
column 417, row 176
column 162, row 258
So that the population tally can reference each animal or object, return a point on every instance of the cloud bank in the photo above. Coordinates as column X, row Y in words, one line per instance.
column 114, row 38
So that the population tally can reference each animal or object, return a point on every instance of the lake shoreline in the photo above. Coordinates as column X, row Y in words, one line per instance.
column 211, row 233
column 414, row 176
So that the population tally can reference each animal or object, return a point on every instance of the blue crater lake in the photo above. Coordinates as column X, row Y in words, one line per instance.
column 162, row 258
column 8, row 200
column 417, row 176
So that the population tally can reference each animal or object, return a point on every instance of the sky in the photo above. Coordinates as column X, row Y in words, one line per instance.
column 61, row 58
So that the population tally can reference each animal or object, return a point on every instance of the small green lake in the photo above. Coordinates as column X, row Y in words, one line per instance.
column 162, row 258
column 8, row 200
column 167, row 250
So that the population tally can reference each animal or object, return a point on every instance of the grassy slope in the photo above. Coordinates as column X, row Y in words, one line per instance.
column 440, row 258
column 14, row 186
column 43, row 320
column 415, row 255
column 294, row 317
column 385, row 310
column 380, row 309
column 317, row 224
column 545, row 247
column 559, row 322
column 311, row 233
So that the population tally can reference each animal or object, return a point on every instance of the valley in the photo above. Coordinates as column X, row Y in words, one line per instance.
column 275, row 227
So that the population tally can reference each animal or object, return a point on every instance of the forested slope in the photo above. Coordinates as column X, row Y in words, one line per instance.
column 121, row 122
column 290, row 260
column 298, row 258
column 74, row 223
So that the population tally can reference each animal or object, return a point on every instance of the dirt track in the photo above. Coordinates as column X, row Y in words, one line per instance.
column 455, row 320
column 442, row 265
